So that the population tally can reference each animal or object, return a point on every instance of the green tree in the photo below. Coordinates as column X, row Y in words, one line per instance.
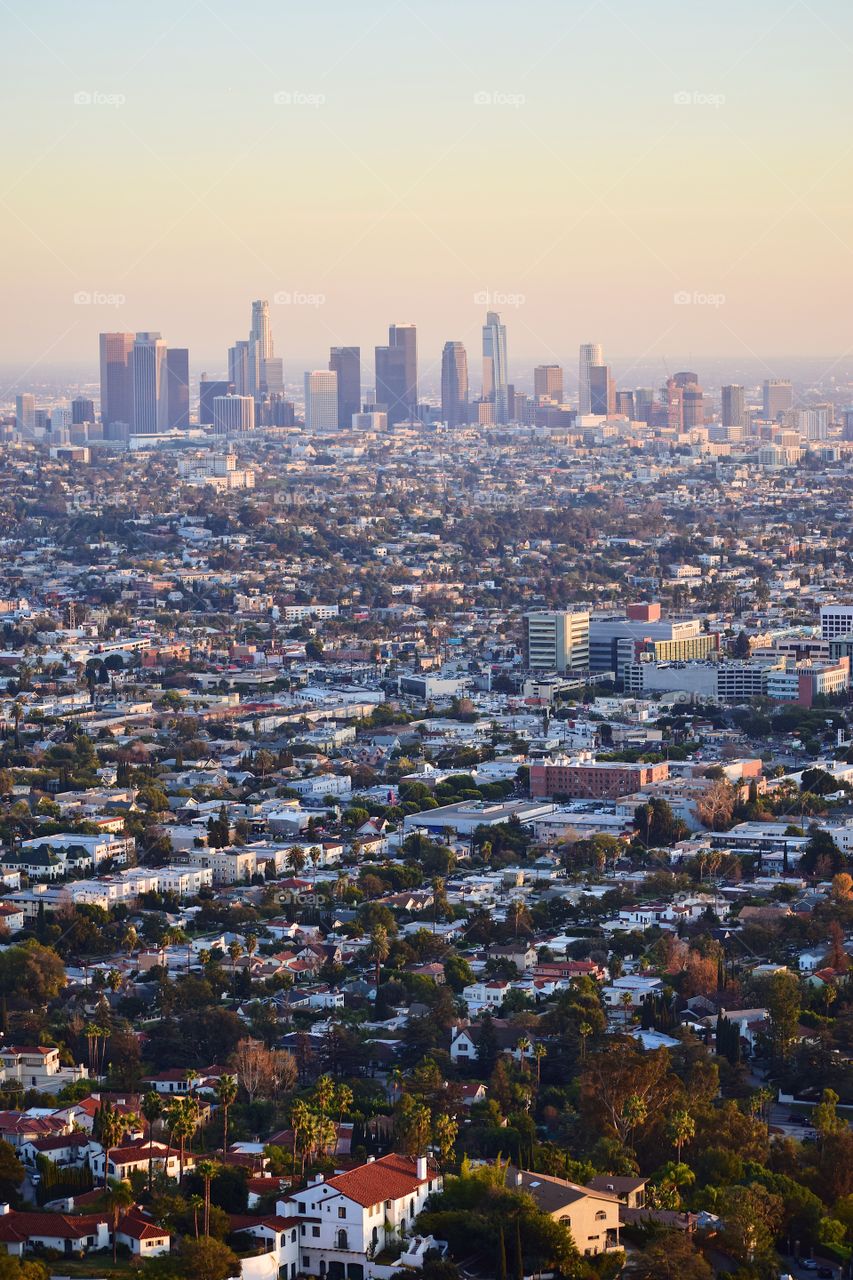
column 208, row 1259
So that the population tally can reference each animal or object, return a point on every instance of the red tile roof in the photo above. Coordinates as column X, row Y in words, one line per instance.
column 389, row 1178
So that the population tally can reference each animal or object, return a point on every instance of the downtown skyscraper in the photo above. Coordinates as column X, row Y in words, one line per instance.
column 346, row 363
column 495, row 365
column 591, row 355
column 253, row 367
column 116, row 378
column 454, row 384
column 150, row 387
column 397, row 374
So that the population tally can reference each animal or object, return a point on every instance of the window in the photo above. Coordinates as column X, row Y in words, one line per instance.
column 342, row 1213
column 315, row 1231
column 601, row 1216
column 303, row 1208
column 342, row 1240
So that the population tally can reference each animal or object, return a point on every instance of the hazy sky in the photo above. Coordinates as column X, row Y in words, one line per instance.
column 585, row 165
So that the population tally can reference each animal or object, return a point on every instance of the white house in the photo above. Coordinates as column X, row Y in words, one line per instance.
column 350, row 1218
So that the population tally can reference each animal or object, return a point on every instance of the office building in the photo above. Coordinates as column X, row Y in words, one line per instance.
column 177, row 389
column 495, row 365
column 209, row 389
column 733, row 406
column 82, row 410
column 233, row 415
column 591, row 354
column 345, row 362
column 454, row 384
column 116, row 378
column 548, row 383
column 557, row 641
column 397, row 374
column 644, row 399
column 238, row 367
column 259, row 348
column 148, row 368
column 625, row 404
column 778, row 398
column 615, row 641
column 321, row 400
column 836, row 620
column 602, row 399
column 25, row 412
column 692, row 405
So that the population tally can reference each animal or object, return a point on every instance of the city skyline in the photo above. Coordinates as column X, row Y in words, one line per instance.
column 595, row 239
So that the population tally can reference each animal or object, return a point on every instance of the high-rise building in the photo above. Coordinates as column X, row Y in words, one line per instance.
column 686, row 378
column 397, row 374
column 177, row 389
column 733, row 406
column 692, row 405
column 495, row 365
column 847, row 424
column 148, row 362
column 548, row 383
column 116, row 378
column 346, row 363
column 454, row 384
column 25, row 412
column 644, row 399
column 591, row 353
column 602, row 399
column 625, row 404
column 321, row 400
column 778, row 398
column 82, row 410
column 238, row 367
column 556, row 641
column 208, row 390
column 260, row 348
column 233, row 415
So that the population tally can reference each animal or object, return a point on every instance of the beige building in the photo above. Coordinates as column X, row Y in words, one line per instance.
column 591, row 1216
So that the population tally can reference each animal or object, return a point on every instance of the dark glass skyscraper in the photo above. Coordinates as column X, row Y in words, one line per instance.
column 177, row 388
column 454, row 384
column 397, row 374
column 346, row 363
column 209, row 389
column 116, row 378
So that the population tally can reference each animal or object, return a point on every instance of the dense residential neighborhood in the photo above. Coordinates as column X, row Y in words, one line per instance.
column 416, row 864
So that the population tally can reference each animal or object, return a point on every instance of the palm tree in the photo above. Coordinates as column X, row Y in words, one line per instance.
column 342, row 884
column 299, row 1121
column 206, row 1170
column 539, row 1052
column 181, row 1117
column 196, row 1202
column 682, row 1128
column 343, row 1100
column 235, row 950
column 296, row 859
column 626, row 1001
column 152, row 1109
column 226, row 1095
column 378, row 950
column 584, row 1031
column 112, row 1128
column 117, row 1197
column 251, row 948
column 130, row 939
column 523, row 1047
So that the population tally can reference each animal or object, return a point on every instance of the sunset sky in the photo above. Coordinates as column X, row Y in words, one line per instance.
column 592, row 162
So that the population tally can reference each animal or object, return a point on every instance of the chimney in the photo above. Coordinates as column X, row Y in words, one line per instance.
column 319, row 1177
column 422, row 1168
column 518, row 1178
column 371, row 1159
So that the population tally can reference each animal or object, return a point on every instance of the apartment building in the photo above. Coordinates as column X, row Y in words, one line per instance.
column 592, row 779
